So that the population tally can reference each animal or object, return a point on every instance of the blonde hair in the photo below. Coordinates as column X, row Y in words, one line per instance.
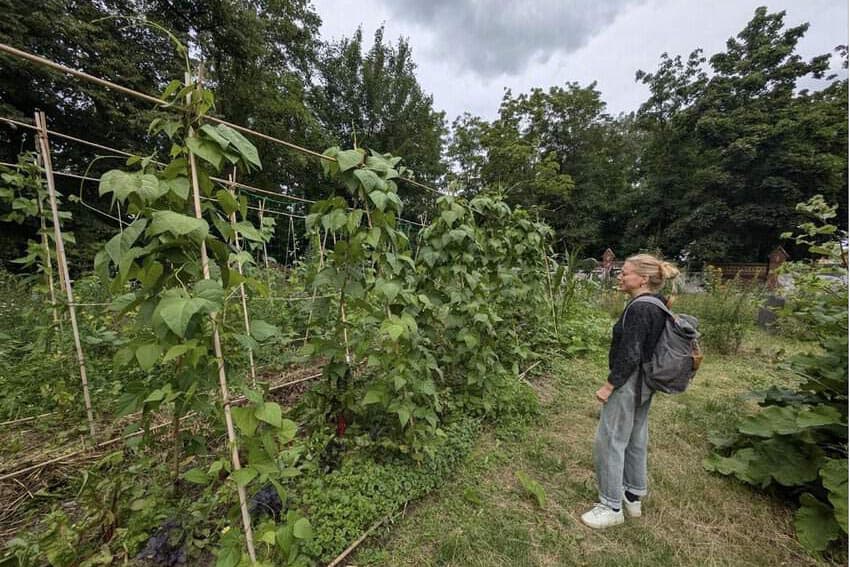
column 658, row 271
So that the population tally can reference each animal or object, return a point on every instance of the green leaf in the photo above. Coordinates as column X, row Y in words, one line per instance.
column 245, row 420
column 177, row 312
column 147, row 355
column 302, row 529
column 177, row 350
column 288, row 430
column 374, row 236
column 403, row 416
column 818, row 416
column 150, row 189
column 770, row 421
column 244, row 476
column 270, row 413
column 177, row 224
column 379, row 198
column 369, row 180
column 834, row 476
column 196, row 476
column 211, row 291
column 245, row 148
column 373, row 397
column 179, row 186
column 119, row 183
column 334, row 220
column 227, row 201
column 262, row 330
column 215, row 136
column 206, row 150
column 532, row 487
column 389, row 289
column 349, row 159
column 815, row 524
column 249, row 231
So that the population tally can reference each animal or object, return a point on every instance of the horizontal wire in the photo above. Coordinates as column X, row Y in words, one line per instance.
column 216, row 179
column 159, row 102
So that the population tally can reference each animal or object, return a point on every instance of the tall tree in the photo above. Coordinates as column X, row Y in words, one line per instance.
column 375, row 99
column 732, row 151
column 259, row 58
column 556, row 151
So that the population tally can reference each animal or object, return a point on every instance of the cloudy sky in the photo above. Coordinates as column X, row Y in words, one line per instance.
column 469, row 51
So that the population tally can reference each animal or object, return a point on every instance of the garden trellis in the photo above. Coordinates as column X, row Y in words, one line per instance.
column 488, row 252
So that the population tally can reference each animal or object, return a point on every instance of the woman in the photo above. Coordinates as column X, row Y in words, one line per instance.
column 621, row 438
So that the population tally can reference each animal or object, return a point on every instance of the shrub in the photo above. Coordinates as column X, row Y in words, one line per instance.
column 797, row 442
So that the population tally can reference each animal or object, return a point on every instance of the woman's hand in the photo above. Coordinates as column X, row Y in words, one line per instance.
column 603, row 393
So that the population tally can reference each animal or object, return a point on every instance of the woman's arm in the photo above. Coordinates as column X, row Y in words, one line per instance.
column 627, row 357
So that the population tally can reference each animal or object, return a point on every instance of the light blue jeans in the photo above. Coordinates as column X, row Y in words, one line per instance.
column 619, row 450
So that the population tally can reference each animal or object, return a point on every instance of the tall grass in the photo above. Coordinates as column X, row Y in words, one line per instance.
column 726, row 311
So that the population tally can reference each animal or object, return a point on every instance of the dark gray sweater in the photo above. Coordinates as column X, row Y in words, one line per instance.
column 634, row 342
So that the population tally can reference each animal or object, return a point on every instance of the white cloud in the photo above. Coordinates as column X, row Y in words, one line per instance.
column 468, row 52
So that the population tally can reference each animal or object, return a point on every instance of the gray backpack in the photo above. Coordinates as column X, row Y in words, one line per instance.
column 677, row 355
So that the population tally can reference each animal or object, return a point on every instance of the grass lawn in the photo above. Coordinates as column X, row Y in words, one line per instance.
column 484, row 517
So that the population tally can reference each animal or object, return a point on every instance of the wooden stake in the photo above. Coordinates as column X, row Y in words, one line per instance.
column 62, row 262
column 265, row 249
column 222, row 375
column 242, row 285
column 45, row 243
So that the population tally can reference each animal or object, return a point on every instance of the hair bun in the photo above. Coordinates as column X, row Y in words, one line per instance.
column 668, row 271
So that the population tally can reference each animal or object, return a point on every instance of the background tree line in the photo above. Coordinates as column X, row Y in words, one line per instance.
column 709, row 168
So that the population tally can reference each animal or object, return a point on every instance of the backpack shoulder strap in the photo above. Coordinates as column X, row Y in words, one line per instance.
column 649, row 299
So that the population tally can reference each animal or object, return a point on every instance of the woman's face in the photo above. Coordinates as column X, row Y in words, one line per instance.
column 630, row 281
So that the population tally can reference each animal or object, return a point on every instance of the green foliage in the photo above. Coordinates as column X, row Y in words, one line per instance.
column 726, row 311
column 730, row 151
column 799, row 438
column 345, row 503
column 533, row 487
column 374, row 100
column 556, row 152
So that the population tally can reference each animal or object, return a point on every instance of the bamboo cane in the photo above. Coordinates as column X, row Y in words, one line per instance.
column 45, row 243
column 62, row 263
column 48, row 268
column 222, row 375
column 265, row 249
column 242, row 293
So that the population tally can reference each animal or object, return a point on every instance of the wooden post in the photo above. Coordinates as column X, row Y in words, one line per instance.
column 607, row 263
column 62, row 262
column 222, row 375
column 242, row 285
column 775, row 259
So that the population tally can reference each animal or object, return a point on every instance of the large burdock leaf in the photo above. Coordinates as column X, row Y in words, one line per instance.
column 815, row 524
column 769, row 421
column 742, row 464
column 790, row 463
column 834, row 476
column 819, row 416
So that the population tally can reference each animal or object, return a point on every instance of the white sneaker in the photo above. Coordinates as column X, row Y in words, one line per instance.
column 632, row 509
column 601, row 516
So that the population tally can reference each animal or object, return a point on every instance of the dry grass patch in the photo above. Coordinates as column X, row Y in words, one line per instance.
column 692, row 517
